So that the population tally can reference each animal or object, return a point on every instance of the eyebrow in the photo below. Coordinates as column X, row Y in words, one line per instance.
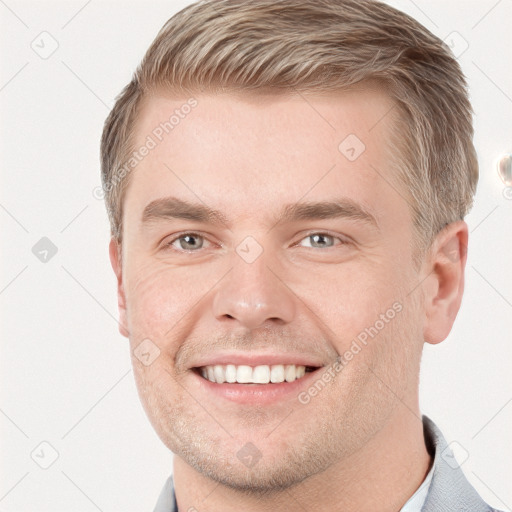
column 339, row 208
column 173, row 208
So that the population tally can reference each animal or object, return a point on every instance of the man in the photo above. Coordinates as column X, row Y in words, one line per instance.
column 286, row 184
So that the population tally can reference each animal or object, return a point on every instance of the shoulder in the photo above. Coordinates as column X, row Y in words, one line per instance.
column 449, row 489
column 167, row 500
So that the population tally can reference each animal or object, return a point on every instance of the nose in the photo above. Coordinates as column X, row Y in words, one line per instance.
column 252, row 294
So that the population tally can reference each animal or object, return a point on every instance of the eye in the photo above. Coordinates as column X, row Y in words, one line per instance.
column 187, row 242
column 321, row 240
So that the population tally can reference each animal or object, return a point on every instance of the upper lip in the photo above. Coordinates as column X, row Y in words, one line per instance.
column 257, row 358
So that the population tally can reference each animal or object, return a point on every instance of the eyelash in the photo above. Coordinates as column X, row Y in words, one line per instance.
column 341, row 240
column 168, row 245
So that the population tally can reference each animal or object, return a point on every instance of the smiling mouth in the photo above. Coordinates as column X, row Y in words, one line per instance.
column 261, row 374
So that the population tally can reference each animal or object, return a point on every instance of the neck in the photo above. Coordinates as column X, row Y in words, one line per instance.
column 382, row 476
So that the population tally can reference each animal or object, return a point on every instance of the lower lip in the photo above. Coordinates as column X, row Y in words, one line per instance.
column 258, row 393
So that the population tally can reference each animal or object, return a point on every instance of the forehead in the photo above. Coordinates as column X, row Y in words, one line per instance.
column 250, row 153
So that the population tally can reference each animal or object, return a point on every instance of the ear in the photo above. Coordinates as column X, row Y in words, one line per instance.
column 115, row 260
column 444, row 286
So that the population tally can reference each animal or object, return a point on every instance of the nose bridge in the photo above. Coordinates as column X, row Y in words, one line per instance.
column 252, row 293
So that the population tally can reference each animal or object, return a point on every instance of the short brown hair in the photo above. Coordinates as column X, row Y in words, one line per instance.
column 316, row 45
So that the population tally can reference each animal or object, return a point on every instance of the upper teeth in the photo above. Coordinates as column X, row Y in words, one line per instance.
column 243, row 374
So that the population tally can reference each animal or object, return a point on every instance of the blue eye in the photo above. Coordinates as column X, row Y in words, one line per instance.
column 321, row 240
column 192, row 242
column 188, row 242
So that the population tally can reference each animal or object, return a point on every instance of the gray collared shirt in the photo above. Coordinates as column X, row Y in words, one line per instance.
column 448, row 491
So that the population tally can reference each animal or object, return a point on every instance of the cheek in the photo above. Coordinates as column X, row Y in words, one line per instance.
column 151, row 299
column 161, row 297
column 350, row 297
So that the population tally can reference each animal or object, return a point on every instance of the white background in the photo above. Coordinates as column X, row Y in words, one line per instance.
column 65, row 370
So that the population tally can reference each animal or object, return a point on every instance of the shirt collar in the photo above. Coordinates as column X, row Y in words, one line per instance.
column 417, row 500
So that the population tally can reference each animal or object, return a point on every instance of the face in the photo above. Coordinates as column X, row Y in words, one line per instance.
column 266, row 238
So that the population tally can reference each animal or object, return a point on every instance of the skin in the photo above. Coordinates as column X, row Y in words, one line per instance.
column 358, row 444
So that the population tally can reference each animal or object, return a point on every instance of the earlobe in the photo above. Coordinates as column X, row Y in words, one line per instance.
column 115, row 261
column 444, row 286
